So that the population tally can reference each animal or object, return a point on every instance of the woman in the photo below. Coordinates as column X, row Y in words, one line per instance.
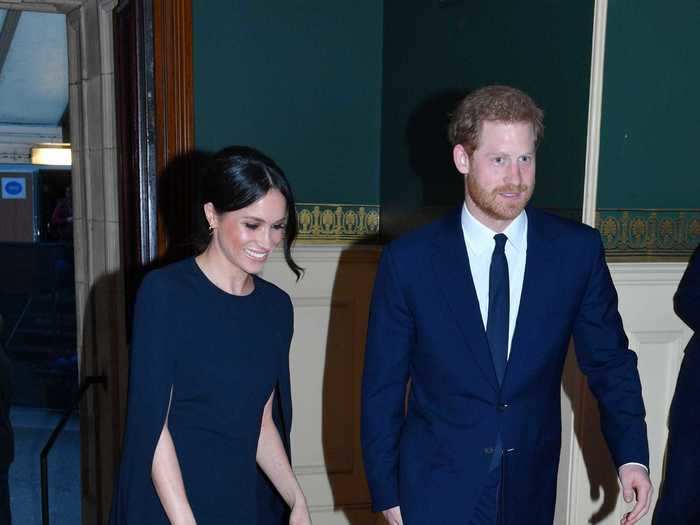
column 209, row 385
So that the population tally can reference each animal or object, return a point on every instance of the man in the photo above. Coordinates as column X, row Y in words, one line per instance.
column 679, row 502
column 480, row 324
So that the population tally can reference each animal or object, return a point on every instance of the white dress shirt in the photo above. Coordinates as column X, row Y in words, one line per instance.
column 480, row 245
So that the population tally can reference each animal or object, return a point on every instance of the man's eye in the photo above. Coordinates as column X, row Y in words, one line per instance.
column 499, row 160
column 526, row 158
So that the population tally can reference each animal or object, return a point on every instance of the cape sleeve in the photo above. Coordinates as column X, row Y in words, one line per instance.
column 687, row 299
column 272, row 509
column 151, row 377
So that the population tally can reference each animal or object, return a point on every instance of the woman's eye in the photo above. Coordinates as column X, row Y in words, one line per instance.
column 251, row 226
column 280, row 226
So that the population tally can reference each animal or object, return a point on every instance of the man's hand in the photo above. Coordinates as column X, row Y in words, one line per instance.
column 635, row 484
column 393, row 516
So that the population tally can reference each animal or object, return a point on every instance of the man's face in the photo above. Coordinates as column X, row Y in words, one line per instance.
column 500, row 174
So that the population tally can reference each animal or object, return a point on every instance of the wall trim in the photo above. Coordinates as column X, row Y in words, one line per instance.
column 174, row 111
column 647, row 274
column 337, row 223
column 590, row 196
column 655, row 234
column 595, row 103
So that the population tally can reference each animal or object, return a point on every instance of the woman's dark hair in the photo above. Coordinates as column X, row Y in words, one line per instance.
column 238, row 176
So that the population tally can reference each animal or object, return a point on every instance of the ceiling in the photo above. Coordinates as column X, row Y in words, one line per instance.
column 33, row 68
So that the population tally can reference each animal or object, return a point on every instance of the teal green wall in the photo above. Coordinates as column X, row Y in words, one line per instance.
column 352, row 98
column 299, row 79
column 648, row 181
column 651, row 115
column 433, row 55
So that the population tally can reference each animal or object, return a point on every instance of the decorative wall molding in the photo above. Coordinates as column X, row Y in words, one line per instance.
column 649, row 233
column 337, row 223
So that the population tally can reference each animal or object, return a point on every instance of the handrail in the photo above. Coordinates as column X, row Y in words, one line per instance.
column 89, row 380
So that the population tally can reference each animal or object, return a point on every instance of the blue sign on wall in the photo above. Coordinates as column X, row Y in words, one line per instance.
column 14, row 188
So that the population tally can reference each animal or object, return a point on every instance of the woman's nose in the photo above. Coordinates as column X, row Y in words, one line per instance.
column 266, row 239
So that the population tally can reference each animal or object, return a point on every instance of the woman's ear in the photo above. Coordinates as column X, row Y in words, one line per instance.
column 210, row 214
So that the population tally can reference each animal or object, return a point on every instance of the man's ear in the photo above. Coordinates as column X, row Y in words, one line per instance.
column 461, row 159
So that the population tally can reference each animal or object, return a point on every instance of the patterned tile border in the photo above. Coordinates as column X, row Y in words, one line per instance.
column 649, row 233
column 337, row 223
column 633, row 233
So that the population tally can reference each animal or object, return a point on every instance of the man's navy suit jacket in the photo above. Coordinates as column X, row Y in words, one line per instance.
column 430, row 453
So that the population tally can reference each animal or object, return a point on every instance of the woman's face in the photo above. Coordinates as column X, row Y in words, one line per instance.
column 246, row 237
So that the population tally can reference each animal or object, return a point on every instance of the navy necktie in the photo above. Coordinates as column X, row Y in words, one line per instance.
column 499, row 306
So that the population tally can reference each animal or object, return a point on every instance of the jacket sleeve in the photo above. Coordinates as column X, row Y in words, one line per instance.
column 151, row 378
column 603, row 353
column 390, row 339
column 687, row 299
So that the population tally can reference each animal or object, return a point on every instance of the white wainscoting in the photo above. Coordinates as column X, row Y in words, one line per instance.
column 331, row 305
column 588, row 487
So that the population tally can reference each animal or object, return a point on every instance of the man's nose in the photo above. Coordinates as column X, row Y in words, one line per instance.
column 515, row 173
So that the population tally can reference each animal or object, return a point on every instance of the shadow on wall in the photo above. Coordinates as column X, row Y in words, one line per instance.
column 427, row 152
column 602, row 475
column 342, row 377
column 430, row 151
column 178, row 205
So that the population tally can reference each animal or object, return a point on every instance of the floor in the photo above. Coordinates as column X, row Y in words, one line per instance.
column 37, row 305
column 32, row 430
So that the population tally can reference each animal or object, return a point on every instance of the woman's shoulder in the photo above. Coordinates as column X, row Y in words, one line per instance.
column 169, row 278
column 273, row 295
column 271, row 290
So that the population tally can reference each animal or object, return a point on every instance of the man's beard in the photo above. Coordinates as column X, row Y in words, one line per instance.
column 491, row 205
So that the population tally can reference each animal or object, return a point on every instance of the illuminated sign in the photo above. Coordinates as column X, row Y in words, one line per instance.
column 14, row 188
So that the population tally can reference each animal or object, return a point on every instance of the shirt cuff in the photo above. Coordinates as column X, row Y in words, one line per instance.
column 632, row 463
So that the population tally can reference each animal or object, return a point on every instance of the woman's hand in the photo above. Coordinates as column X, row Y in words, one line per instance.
column 300, row 513
column 274, row 462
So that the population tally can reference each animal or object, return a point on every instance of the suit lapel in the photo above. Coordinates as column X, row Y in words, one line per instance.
column 451, row 264
column 539, row 260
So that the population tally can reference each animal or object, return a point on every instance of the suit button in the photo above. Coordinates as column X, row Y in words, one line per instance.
column 488, row 451
column 502, row 407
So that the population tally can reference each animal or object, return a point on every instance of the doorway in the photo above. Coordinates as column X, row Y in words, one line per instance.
column 98, row 309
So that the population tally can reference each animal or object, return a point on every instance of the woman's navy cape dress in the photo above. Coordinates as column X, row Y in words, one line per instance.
column 208, row 361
